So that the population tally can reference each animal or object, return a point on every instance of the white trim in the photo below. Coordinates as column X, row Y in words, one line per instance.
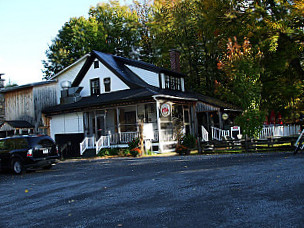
column 70, row 66
column 173, row 97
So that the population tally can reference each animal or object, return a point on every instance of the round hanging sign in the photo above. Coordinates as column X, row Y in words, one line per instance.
column 165, row 109
column 225, row 116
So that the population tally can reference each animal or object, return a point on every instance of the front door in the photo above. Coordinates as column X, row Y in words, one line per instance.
column 100, row 125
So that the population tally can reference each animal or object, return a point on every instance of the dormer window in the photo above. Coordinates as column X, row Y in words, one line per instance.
column 172, row 82
column 95, row 86
column 107, row 84
column 96, row 64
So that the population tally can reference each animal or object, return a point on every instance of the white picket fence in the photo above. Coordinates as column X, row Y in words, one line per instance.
column 279, row 131
column 267, row 131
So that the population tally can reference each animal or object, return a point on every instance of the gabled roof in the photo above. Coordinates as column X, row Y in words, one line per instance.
column 70, row 66
column 9, row 89
column 15, row 124
column 118, row 66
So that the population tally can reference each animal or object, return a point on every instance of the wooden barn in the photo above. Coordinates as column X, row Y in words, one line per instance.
column 23, row 104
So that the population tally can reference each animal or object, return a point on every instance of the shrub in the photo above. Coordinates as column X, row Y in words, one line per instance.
column 133, row 144
column 104, row 152
column 181, row 149
column 189, row 141
column 123, row 152
column 135, row 152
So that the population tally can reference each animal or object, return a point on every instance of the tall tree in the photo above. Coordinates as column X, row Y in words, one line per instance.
column 110, row 28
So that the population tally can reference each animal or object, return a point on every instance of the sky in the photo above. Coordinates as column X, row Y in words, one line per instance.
column 27, row 27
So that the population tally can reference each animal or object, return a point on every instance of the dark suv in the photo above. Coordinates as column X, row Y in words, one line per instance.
column 21, row 152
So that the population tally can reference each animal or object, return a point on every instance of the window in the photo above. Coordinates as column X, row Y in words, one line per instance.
column 173, row 83
column 95, row 87
column 107, row 84
column 96, row 64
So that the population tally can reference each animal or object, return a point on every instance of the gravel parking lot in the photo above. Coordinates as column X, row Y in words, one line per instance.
column 245, row 190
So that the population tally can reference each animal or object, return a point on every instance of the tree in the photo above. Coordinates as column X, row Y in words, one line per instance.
column 110, row 28
column 241, row 83
column 76, row 38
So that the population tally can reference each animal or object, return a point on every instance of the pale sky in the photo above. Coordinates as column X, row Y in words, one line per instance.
column 27, row 27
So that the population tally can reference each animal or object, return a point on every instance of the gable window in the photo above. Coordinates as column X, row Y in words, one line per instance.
column 172, row 82
column 107, row 84
column 96, row 64
column 95, row 86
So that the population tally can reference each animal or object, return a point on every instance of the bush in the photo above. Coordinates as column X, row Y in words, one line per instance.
column 189, row 141
column 181, row 149
column 133, row 144
column 135, row 152
column 104, row 152
column 108, row 152
column 123, row 152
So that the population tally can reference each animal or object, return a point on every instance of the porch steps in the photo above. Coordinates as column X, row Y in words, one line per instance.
column 89, row 153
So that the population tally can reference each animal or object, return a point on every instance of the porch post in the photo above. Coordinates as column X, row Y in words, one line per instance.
column 118, row 124
column 160, row 145
column 220, row 119
column 194, row 121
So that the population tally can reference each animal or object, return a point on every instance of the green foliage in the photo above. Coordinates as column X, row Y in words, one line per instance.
column 110, row 28
column 104, row 152
column 133, row 144
column 189, row 141
column 123, row 152
column 108, row 152
column 251, row 122
column 148, row 29
column 135, row 152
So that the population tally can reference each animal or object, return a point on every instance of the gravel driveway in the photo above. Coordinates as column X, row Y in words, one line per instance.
column 246, row 190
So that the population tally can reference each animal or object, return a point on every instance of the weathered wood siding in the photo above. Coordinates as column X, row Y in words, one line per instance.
column 27, row 104
column 44, row 96
column 19, row 105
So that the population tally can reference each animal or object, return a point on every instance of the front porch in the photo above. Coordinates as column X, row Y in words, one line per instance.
column 115, row 127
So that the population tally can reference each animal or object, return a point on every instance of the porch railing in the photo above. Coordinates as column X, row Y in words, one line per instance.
column 126, row 137
column 279, row 131
column 219, row 134
column 87, row 143
column 103, row 142
column 205, row 134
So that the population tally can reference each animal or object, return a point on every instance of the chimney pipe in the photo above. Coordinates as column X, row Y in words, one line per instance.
column 1, row 81
column 174, row 59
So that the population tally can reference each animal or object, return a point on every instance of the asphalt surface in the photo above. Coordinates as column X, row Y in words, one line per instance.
column 247, row 190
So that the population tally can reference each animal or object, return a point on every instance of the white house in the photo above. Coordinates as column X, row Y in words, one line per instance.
column 102, row 105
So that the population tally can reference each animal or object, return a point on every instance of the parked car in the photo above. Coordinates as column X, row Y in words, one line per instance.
column 19, row 153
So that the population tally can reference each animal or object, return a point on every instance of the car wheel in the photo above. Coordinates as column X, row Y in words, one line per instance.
column 17, row 166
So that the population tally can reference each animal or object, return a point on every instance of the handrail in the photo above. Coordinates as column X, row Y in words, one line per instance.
column 218, row 133
column 87, row 143
column 205, row 134
column 102, row 142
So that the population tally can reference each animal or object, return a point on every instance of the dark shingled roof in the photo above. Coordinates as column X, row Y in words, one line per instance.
column 18, row 124
column 139, row 89
column 117, row 65
column 13, row 88
column 119, row 97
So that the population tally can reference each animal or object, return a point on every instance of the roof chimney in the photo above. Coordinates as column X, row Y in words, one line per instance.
column 1, row 81
column 174, row 59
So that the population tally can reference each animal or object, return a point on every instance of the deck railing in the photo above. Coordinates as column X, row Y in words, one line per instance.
column 103, row 142
column 279, row 131
column 87, row 143
column 205, row 134
column 219, row 134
